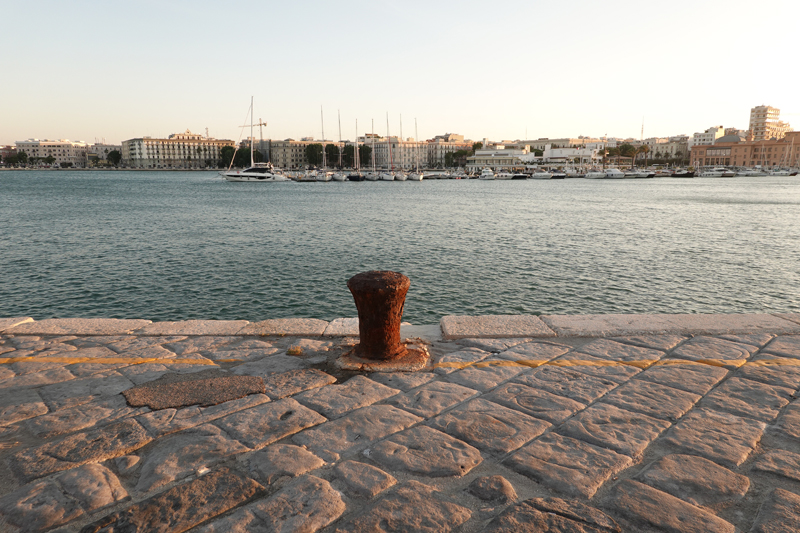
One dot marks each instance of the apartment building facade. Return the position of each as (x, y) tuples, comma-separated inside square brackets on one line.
[(765, 123), (179, 150), (65, 152)]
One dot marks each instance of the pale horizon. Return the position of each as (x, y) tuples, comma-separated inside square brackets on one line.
[(90, 71)]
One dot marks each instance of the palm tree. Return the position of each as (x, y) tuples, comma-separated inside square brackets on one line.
[(614, 152), (643, 149)]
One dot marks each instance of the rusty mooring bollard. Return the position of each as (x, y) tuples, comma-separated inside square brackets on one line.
[(380, 296)]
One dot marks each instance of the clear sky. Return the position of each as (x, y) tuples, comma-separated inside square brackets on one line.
[(86, 70)]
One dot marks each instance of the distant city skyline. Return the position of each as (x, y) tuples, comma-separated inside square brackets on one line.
[(90, 70)]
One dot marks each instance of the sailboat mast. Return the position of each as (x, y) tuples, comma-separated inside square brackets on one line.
[(357, 162), (322, 122), (373, 145), (416, 138), (252, 164), (339, 114), (389, 140)]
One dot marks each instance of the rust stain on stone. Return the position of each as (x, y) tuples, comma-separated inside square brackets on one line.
[(209, 387)]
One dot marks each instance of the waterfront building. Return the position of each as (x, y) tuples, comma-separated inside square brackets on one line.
[(707, 137), (737, 151), (6, 151), (100, 151), (65, 152), (441, 145), (765, 123), (498, 159), (179, 150), (291, 155)]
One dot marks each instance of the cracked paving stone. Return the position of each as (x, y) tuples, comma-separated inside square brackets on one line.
[(487, 374), (199, 344), (653, 399), (405, 381), (615, 351), (242, 355), (537, 403), (748, 398), (432, 398), (689, 376), (785, 346), (269, 422), (306, 505), (21, 405), (695, 480), (355, 430), (365, 480), (492, 488), (107, 442), (566, 382), (38, 507), (780, 513), (600, 367), (410, 507), (772, 370), (289, 383), (489, 427), (83, 416), (182, 507), (204, 388), (780, 462), (164, 421), (656, 342), (759, 340), (724, 353), (788, 425), (611, 427), (567, 465), (93, 486), (334, 401), (453, 361), (37, 379), (270, 365), (492, 345), (724, 438), (281, 460), (645, 506), (426, 451), (81, 391), (534, 352), (552, 515), (180, 455)]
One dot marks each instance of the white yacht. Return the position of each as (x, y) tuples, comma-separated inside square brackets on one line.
[(415, 176), (541, 175), (256, 171), (717, 172), (503, 175), (400, 176), (595, 174), (614, 173), (323, 175), (486, 174), (339, 176), (386, 176), (638, 173)]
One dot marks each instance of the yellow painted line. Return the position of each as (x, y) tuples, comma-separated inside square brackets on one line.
[(104, 360)]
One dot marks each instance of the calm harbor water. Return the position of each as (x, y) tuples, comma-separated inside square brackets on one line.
[(188, 245)]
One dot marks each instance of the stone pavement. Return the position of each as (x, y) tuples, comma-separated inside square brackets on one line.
[(596, 423)]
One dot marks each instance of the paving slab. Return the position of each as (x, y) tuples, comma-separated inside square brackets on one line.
[(661, 324), (21, 405), (78, 326), (165, 421), (454, 361), (83, 416), (567, 465), (182, 507), (759, 340), (240, 355), (283, 384), (492, 488), (424, 451), (785, 346), (286, 326), (208, 387), (486, 375), (93, 486), (270, 365), (748, 398), (656, 342), (772, 370), (405, 381), (566, 382), (780, 513), (178, 456), (432, 398), (8, 323), (494, 326), (193, 327), (354, 431), (645, 506), (306, 505), (608, 426), (269, 422), (489, 427), (715, 351), (200, 344), (781, 462), (281, 460), (690, 376), (602, 367), (38, 506), (652, 399), (342, 327), (610, 350), (535, 402), (114, 440), (364, 480), (37, 379), (492, 345), (724, 438), (552, 515), (788, 424), (793, 317), (82, 391), (410, 507), (695, 480), (334, 401), (532, 353)]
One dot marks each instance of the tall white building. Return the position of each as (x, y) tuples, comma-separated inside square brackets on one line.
[(707, 137), (65, 152), (765, 123), (180, 150)]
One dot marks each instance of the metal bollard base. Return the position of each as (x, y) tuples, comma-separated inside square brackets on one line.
[(415, 359)]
